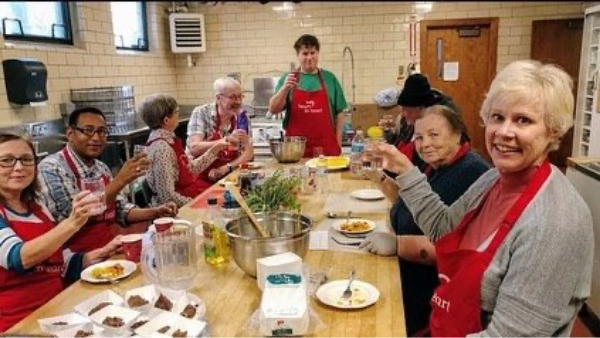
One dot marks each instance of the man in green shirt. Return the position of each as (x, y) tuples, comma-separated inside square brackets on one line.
[(313, 100)]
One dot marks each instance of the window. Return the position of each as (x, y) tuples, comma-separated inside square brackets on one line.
[(36, 21), (129, 25)]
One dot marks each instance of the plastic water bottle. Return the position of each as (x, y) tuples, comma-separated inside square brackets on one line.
[(358, 146), (242, 122)]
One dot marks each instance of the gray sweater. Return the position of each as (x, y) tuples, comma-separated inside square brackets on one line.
[(541, 273)]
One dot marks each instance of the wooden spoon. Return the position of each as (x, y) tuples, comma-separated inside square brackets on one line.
[(235, 192)]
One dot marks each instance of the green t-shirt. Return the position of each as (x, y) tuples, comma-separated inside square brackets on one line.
[(310, 82)]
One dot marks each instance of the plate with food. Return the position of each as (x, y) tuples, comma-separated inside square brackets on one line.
[(331, 162), (354, 226), (363, 294), (368, 194), (108, 271), (61, 323), (255, 165)]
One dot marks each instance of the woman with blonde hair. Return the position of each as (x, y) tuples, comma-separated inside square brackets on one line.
[(515, 252)]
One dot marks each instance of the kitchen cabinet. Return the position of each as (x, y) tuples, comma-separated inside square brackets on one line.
[(587, 122), (584, 174)]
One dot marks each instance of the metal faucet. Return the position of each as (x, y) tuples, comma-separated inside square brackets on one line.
[(347, 48)]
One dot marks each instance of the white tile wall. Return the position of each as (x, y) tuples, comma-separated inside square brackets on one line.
[(256, 40)]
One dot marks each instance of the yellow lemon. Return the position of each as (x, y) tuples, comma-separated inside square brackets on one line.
[(375, 131)]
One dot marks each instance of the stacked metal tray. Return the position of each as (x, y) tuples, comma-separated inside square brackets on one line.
[(117, 103)]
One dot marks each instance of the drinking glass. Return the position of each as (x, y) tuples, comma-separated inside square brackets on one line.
[(98, 192), (318, 152), (138, 148)]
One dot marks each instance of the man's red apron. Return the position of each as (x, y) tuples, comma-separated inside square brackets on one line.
[(225, 156), (21, 294), (310, 117), (187, 183), (456, 303), (97, 232)]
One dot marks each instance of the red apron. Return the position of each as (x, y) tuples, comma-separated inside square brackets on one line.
[(225, 156), (187, 183), (407, 148), (21, 294), (97, 232), (456, 303), (310, 117)]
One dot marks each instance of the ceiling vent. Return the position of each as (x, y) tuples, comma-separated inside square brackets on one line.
[(187, 33)]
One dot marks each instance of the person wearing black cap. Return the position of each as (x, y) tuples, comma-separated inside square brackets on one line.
[(416, 95)]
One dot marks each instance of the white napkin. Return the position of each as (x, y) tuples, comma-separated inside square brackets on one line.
[(319, 240)]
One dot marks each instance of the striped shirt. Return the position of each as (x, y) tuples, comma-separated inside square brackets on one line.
[(58, 183), (11, 244)]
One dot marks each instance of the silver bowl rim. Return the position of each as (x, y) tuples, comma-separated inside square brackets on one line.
[(270, 239), (288, 139)]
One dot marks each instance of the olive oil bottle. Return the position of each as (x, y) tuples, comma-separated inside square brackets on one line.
[(216, 246)]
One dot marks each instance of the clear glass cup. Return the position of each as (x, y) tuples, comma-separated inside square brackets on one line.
[(98, 192), (138, 149), (310, 180)]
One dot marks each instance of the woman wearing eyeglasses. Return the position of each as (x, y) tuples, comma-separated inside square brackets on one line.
[(222, 120), (33, 263)]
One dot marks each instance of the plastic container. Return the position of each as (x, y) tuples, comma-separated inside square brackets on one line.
[(358, 146), (216, 246)]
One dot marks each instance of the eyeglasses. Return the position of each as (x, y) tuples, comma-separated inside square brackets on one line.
[(9, 162), (90, 131), (234, 97)]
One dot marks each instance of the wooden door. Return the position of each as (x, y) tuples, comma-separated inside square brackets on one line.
[(559, 42), (472, 43)]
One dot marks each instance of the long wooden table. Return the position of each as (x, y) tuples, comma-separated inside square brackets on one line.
[(231, 296)]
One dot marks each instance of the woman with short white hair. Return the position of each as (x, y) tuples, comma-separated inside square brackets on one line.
[(221, 120), (515, 252)]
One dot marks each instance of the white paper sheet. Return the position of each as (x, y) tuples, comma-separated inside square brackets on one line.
[(450, 71), (319, 240)]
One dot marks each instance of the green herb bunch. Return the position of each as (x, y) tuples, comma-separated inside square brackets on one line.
[(277, 192)]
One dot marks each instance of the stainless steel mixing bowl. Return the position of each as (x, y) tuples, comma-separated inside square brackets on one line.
[(289, 233), (290, 150)]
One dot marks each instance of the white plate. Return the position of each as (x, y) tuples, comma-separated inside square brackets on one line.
[(343, 163), (49, 325), (368, 194), (175, 322), (331, 294), (255, 165), (337, 225), (128, 269), (127, 315), (108, 296), (87, 327)]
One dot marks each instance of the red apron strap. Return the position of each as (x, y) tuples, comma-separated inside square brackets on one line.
[(310, 116), (456, 303)]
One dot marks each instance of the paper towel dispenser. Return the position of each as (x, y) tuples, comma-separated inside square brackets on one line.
[(25, 80)]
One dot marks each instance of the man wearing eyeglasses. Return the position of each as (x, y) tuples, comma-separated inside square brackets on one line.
[(62, 176), (221, 121)]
